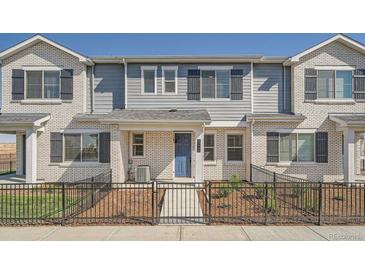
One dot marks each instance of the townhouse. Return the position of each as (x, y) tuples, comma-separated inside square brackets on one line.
[(190, 118)]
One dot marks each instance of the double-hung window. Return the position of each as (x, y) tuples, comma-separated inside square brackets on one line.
[(149, 80), (334, 84), (169, 78), (81, 147), (209, 147), (234, 149), (215, 84), (297, 147), (137, 144), (43, 84)]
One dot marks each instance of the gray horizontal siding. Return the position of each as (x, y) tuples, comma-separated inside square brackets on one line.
[(108, 87), (219, 110), (268, 88)]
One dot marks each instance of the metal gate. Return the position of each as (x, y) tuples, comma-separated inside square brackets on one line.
[(182, 203)]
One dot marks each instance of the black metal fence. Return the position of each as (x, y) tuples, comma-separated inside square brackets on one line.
[(98, 201), (7, 163)]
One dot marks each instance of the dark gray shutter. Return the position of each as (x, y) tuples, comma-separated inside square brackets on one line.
[(56, 147), (359, 84), (17, 92), (104, 149), (67, 86), (193, 84), (322, 147), (272, 147), (310, 84), (236, 84)]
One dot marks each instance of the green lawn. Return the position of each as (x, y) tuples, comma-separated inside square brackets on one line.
[(33, 206)]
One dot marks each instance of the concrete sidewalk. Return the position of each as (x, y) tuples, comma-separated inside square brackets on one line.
[(183, 233)]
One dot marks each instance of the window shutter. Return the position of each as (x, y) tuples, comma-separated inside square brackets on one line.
[(104, 147), (67, 84), (272, 147), (193, 84), (322, 147), (56, 147), (17, 92), (310, 84), (359, 84), (236, 84)]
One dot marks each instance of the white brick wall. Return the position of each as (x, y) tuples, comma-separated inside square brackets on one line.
[(43, 54), (220, 169)]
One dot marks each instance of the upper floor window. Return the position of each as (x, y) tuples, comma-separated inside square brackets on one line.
[(215, 84), (149, 80), (169, 80), (334, 84), (81, 147), (42, 84)]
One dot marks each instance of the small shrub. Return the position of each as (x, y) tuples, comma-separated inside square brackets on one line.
[(235, 181), (338, 198), (222, 193), (299, 189), (260, 190), (272, 206)]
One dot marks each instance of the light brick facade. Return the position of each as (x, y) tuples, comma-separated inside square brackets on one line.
[(43, 54), (159, 144)]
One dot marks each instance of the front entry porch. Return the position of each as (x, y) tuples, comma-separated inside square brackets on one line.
[(26, 126), (353, 130)]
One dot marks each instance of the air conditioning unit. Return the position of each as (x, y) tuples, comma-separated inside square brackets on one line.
[(143, 174)]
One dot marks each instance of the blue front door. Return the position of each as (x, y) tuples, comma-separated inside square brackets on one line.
[(182, 154)]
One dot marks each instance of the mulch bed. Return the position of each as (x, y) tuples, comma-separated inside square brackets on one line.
[(124, 206)]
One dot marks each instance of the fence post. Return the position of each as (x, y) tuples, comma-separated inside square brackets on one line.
[(63, 204), (153, 203), (320, 203), (274, 177), (209, 203), (266, 200), (251, 173), (92, 191)]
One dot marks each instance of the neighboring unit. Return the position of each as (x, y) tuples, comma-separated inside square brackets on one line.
[(188, 118)]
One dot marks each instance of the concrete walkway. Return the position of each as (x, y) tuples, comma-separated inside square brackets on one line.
[(184, 233), (181, 206)]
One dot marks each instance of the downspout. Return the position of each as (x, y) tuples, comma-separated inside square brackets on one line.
[(251, 148), (92, 88), (125, 83), (252, 87), (284, 89)]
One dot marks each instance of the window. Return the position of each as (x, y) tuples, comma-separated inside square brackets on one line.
[(149, 81), (169, 80), (234, 147), (42, 84), (81, 147), (215, 84), (297, 147), (209, 147), (334, 84), (137, 144)]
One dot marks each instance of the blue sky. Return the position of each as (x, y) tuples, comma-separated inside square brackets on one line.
[(169, 44), (179, 44)]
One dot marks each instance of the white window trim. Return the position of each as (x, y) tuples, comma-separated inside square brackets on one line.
[(288, 163), (334, 68), (226, 147), (215, 69), (143, 68), (131, 145), (214, 161), (81, 144), (26, 99), (173, 68)]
